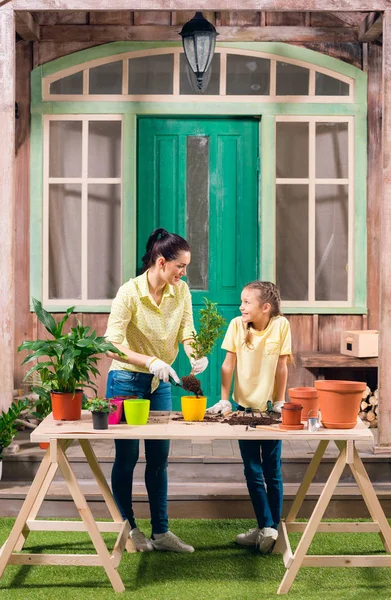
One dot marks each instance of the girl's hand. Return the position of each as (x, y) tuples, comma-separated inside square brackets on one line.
[(221, 407), (199, 365), (161, 369)]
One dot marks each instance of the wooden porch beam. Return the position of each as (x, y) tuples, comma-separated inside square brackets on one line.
[(217, 5), (370, 28), (26, 27), (7, 204), (385, 254), (113, 33)]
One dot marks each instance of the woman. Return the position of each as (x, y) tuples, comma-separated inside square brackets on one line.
[(150, 315)]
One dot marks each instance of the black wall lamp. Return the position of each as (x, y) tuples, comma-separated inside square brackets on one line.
[(199, 41)]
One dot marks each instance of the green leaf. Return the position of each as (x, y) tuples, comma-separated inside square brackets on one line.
[(45, 317)]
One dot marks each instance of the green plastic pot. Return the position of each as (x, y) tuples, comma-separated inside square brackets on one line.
[(136, 411)]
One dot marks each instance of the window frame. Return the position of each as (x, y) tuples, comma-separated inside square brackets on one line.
[(264, 110)]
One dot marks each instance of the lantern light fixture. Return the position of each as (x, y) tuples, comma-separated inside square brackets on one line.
[(199, 41)]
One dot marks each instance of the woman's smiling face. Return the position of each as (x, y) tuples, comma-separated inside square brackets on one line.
[(174, 270)]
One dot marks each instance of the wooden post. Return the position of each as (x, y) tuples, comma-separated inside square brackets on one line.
[(385, 255), (7, 204)]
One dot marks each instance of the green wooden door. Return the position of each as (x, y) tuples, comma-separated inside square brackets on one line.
[(198, 178)]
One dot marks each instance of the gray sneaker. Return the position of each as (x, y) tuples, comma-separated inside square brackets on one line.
[(250, 538), (267, 538), (169, 542), (142, 543)]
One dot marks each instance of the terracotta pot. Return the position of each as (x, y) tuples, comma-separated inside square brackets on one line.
[(291, 413), (308, 398), (339, 402), (44, 445), (66, 405)]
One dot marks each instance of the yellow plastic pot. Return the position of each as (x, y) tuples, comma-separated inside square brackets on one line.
[(193, 408), (136, 411)]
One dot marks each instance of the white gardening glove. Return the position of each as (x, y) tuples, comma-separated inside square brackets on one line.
[(278, 405), (162, 370), (198, 365), (221, 407)]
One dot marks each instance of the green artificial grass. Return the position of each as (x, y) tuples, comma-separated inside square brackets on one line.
[(218, 569)]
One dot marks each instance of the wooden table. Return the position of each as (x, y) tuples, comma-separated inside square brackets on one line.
[(60, 434)]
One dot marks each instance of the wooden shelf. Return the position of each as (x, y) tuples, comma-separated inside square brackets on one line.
[(333, 360)]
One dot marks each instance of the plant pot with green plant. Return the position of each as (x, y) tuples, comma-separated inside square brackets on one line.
[(71, 365), (212, 325), (8, 426), (100, 409)]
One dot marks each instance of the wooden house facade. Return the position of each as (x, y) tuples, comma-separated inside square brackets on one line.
[(313, 124)]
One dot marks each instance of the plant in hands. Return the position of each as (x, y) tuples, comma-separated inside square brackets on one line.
[(72, 357), (212, 325), (100, 405)]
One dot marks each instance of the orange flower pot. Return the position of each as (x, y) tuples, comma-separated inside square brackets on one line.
[(308, 398), (339, 402), (291, 413), (67, 405)]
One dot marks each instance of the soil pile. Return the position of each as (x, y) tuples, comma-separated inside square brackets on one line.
[(192, 384)]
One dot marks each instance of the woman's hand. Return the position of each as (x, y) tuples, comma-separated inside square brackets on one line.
[(162, 370), (221, 407), (198, 365)]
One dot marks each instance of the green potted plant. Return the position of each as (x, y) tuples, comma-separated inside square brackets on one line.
[(72, 362), (212, 325), (100, 409), (8, 427)]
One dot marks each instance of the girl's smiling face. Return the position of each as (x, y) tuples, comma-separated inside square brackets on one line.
[(252, 308)]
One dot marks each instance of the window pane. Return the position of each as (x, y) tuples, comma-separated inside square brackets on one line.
[(332, 150), (331, 240), (65, 148), (329, 86), (104, 240), (292, 149), (73, 84), (291, 80), (197, 210), (106, 79), (64, 241), (248, 75), (151, 74), (104, 149), (292, 241), (188, 81)]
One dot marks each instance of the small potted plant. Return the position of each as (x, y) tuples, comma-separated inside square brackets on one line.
[(212, 325), (8, 427), (100, 409), (71, 362)]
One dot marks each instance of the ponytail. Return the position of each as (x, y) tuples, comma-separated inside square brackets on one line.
[(162, 243)]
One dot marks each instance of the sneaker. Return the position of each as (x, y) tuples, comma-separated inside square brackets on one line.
[(142, 543), (267, 538), (170, 543), (250, 538)]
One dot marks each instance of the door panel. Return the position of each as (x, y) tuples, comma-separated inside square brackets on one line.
[(198, 178)]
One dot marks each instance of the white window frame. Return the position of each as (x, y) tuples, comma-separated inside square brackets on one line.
[(312, 181), (84, 181), (176, 96)]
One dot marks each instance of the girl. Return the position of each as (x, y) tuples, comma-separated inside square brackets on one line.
[(258, 345), (150, 315)]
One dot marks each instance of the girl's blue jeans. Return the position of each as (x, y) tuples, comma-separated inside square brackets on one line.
[(264, 479), (127, 383)]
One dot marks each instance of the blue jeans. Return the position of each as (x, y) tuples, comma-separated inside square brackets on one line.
[(127, 383), (264, 479)]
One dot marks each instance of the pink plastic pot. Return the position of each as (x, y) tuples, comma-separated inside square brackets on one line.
[(115, 417)]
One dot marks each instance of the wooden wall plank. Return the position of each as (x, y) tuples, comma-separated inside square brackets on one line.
[(7, 204), (330, 327), (285, 18), (46, 51), (98, 322), (152, 17), (26, 27), (385, 245), (348, 52), (374, 181), (371, 27), (302, 334), (183, 16), (23, 323), (238, 18), (61, 17), (111, 17)]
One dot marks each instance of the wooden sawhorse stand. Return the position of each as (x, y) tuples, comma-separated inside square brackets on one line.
[(293, 561), (26, 521)]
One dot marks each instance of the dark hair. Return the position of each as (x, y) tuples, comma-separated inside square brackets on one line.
[(267, 292), (162, 243)]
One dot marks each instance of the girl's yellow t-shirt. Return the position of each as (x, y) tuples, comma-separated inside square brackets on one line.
[(255, 369)]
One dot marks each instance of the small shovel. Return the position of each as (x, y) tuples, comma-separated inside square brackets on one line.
[(173, 382)]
